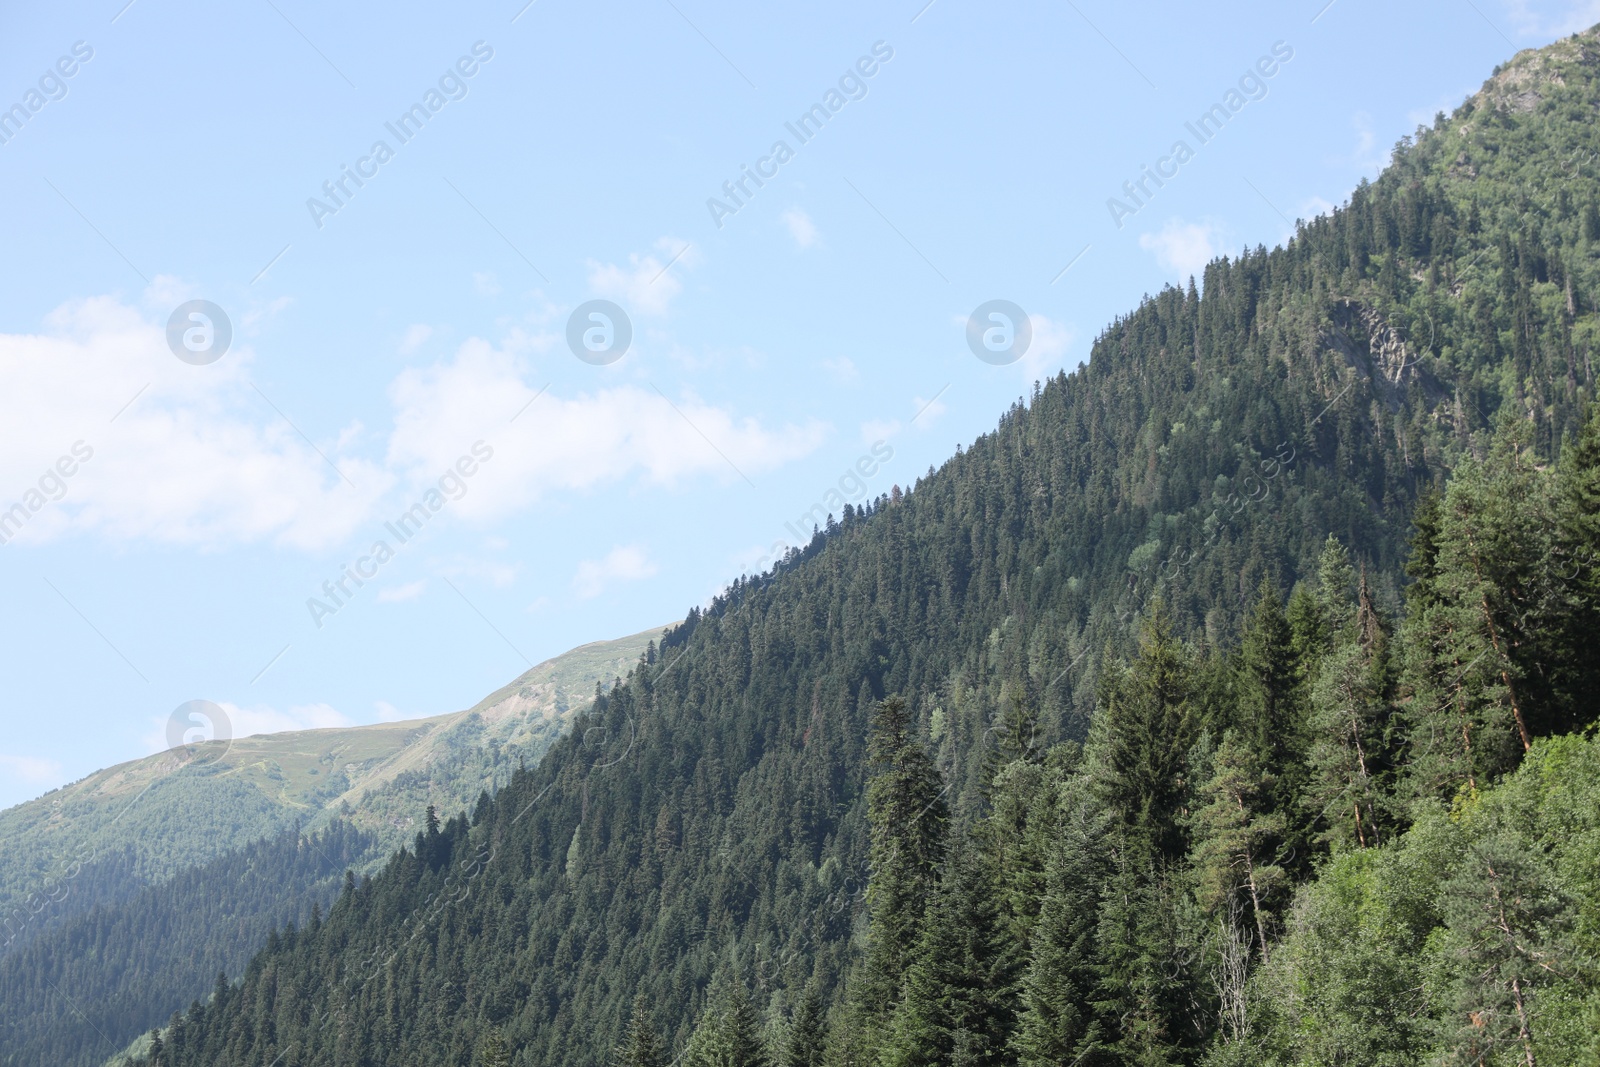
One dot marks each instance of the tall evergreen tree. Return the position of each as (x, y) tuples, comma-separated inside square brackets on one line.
[(1576, 566), (807, 1037), (1148, 961), (906, 808), (960, 987), (493, 1050), (1505, 916), (1143, 734), (1484, 631), (641, 1046), (1269, 697), (1058, 1023), (1349, 710), (1236, 838), (728, 1033)]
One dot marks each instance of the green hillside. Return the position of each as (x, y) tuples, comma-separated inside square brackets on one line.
[(103, 838), (1181, 667)]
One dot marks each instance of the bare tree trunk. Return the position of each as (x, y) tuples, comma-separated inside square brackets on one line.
[(1255, 896), (1230, 976), (1522, 1024)]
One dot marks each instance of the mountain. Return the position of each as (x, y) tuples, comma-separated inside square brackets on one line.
[(104, 837), (136, 885), (827, 813)]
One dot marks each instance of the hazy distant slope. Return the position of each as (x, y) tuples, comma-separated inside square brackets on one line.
[(76, 993), (102, 838)]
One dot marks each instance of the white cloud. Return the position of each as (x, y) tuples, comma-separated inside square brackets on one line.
[(31, 769), (1546, 20), (247, 722), (925, 413), (387, 712), (485, 283), (1446, 102), (199, 456), (180, 454), (1313, 206), (1183, 248), (879, 430), (396, 594), (648, 284), (801, 228), (1047, 351), (500, 575), (1367, 155), (627, 563), (568, 443), (843, 369), (415, 337)]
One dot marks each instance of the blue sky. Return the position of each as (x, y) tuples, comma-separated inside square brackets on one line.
[(390, 336)]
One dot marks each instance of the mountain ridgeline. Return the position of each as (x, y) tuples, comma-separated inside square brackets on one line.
[(127, 892), (1041, 761), (112, 834)]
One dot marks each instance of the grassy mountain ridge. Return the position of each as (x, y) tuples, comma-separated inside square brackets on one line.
[(1212, 443), (105, 836)]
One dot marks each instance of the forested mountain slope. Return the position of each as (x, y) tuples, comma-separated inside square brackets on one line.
[(702, 837)]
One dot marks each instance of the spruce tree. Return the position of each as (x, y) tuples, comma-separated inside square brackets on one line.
[(807, 1031), (1482, 640), (728, 1034), (960, 987), (641, 1046), (492, 1050), (1147, 963), (1270, 713), (1143, 735), (906, 809), (1348, 726), (1057, 1023), (1576, 567)]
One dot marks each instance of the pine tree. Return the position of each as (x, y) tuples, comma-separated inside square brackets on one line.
[(1236, 838), (492, 1050), (1147, 952), (1506, 917), (728, 1034), (1349, 709), (1335, 582), (1309, 635), (1483, 636), (1270, 713), (1576, 567), (1267, 683)]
